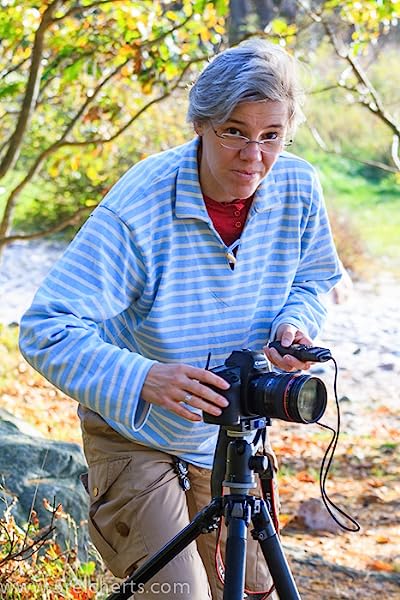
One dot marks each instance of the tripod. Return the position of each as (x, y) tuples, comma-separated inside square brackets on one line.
[(238, 508)]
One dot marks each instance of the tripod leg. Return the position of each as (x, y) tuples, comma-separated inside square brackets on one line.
[(235, 559), (202, 523), (264, 531), (237, 516)]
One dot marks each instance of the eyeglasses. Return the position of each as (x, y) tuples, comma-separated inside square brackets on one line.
[(239, 142)]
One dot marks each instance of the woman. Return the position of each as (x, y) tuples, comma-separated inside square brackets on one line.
[(217, 245)]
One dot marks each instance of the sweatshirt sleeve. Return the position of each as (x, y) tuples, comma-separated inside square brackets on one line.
[(100, 275), (318, 270)]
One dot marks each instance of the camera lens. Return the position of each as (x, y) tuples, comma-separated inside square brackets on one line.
[(295, 398)]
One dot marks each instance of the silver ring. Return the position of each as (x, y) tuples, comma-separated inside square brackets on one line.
[(187, 398)]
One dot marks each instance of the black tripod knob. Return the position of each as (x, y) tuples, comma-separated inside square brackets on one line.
[(258, 464)]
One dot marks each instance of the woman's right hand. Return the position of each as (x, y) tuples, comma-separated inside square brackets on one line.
[(173, 385)]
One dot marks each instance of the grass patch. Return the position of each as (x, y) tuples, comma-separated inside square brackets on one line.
[(366, 203)]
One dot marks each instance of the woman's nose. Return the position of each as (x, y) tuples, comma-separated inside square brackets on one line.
[(251, 151)]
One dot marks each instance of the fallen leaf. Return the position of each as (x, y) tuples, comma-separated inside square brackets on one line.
[(382, 539), (380, 565), (304, 476), (284, 519), (375, 483)]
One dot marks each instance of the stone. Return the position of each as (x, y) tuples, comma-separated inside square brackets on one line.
[(387, 366), (34, 469), (314, 515)]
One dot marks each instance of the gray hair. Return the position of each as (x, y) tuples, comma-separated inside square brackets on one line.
[(254, 70)]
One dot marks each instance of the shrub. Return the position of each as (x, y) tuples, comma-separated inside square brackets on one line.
[(34, 567)]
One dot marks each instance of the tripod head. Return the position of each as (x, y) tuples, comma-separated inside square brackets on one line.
[(235, 463)]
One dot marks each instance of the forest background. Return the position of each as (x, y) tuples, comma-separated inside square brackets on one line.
[(88, 88)]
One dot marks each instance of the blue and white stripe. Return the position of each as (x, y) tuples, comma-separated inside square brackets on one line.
[(147, 279)]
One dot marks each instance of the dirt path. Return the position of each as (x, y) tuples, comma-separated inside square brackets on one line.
[(365, 483), (363, 335)]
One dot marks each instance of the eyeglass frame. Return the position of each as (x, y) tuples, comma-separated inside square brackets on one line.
[(262, 144)]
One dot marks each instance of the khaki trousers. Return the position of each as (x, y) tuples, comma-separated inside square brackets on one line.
[(137, 505)]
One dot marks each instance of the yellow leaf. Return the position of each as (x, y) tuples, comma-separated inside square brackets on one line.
[(147, 87), (125, 50), (173, 16), (205, 35), (284, 519), (92, 173), (126, 70), (75, 161), (188, 8), (382, 539), (53, 171)]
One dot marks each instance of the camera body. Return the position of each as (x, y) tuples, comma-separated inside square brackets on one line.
[(256, 391), (237, 370)]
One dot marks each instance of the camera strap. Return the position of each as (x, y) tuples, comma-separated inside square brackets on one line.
[(260, 433), (268, 485)]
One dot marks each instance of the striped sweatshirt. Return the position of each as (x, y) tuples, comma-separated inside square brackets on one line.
[(147, 278)]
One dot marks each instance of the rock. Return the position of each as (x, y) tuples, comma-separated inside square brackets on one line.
[(315, 516), (372, 498), (34, 469), (344, 399), (387, 366)]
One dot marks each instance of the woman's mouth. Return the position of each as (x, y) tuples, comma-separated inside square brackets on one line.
[(246, 175)]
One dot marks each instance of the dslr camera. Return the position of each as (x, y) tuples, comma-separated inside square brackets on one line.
[(255, 391)]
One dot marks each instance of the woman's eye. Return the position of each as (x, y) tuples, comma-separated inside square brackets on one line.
[(233, 131), (271, 135)]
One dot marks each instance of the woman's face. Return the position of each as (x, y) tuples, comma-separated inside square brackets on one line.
[(227, 174)]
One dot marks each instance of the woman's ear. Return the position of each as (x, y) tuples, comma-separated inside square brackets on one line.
[(199, 128)]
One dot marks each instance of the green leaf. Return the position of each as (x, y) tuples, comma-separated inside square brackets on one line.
[(11, 89), (87, 569), (72, 71), (222, 7)]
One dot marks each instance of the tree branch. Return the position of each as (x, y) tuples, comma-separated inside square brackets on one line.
[(79, 9), (89, 101), (61, 142), (376, 106), (71, 220), (10, 157), (58, 62), (10, 202), (395, 151), (98, 141), (270, 35), (5, 222), (370, 163), (26, 549), (144, 44), (14, 68), (322, 90), (32, 88)]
